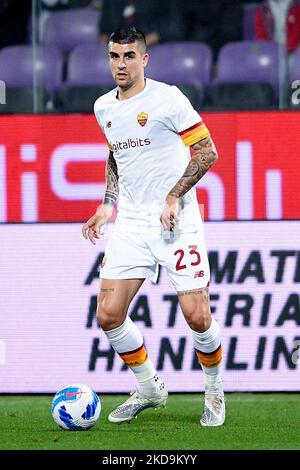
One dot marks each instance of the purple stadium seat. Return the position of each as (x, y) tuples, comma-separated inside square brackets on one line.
[(185, 63), (248, 62), (88, 65), (17, 65), (88, 77), (70, 28)]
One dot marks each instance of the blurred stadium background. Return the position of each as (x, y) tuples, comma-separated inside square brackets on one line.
[(239, 64)]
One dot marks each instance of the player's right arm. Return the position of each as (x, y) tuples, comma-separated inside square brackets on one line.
[(92, 228)]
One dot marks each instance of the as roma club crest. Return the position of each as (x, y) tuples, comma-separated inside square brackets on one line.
[(142, 119)]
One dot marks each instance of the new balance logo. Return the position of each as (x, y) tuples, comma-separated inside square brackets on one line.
[(199, 274)]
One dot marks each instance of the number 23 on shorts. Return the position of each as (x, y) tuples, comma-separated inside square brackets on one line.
[(192, 257)]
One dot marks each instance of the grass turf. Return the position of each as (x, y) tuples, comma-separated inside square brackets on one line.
[(254, 421)]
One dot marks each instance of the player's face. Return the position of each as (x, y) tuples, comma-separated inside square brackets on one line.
[(127, 63)]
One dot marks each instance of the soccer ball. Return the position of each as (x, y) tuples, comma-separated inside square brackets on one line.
[(76, 407)]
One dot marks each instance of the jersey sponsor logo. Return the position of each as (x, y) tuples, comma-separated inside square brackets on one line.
[(129, 143), (142, 119)]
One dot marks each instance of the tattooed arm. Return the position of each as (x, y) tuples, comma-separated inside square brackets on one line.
[(92, 228), (112, 181), (205, 155)]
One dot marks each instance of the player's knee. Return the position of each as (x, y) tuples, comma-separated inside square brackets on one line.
[(199, 320), (108, 315)]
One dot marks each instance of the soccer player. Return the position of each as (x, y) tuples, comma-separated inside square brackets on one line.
[(150, 127)]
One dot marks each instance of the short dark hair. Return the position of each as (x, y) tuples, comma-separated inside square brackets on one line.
[(128, 35)]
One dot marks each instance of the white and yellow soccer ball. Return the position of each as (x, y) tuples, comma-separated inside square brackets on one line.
[(76, 407)]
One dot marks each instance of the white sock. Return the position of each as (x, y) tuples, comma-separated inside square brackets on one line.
[(128, 342), (151, 386), (209, 352)]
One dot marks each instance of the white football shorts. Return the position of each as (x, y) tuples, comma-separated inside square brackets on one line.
[(183, 254)]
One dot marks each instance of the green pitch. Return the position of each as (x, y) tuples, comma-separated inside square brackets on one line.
[(254, 421)]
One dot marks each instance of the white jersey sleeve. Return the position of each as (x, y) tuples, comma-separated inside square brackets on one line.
[(184, 119), (99, 114)]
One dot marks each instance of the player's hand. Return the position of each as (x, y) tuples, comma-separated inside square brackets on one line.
[(92, 229), (169, 216)]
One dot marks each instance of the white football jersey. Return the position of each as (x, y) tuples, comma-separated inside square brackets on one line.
[(150, 135)]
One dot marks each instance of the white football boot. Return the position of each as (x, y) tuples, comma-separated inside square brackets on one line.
[(138, 402), (214, 406)]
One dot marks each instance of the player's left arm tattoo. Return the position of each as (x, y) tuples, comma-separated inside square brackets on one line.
[(205, 155), (112, 181)]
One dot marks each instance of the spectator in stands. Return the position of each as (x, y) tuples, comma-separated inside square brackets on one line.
[(215, 22), (160, 20), (279, 20), (14, 17)]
